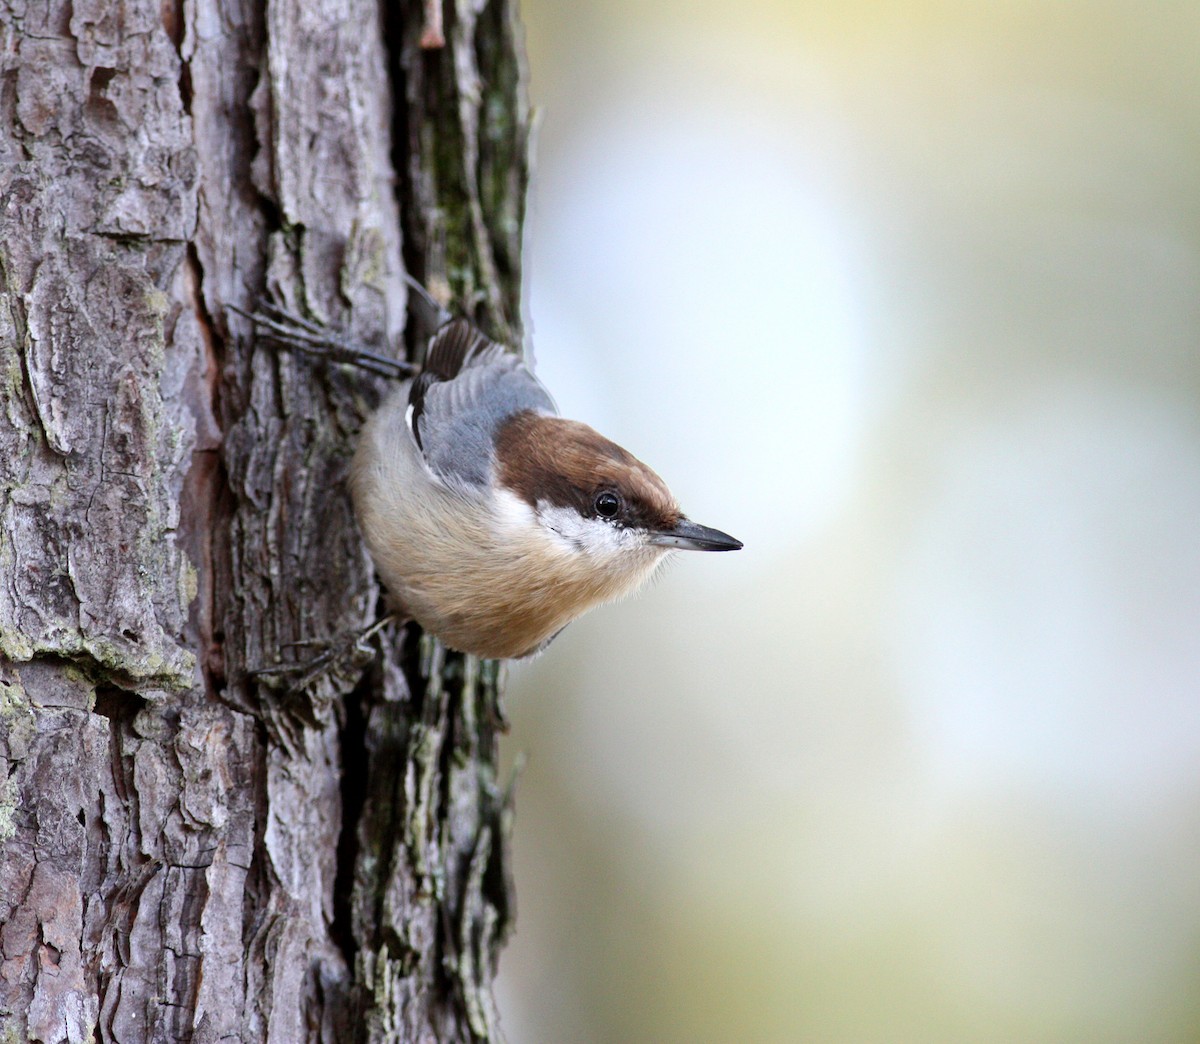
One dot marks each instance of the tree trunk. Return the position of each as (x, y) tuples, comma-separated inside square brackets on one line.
[(186, 853)]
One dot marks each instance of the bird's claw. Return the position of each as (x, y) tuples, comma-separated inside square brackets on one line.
[(310, 338), (352, 648)]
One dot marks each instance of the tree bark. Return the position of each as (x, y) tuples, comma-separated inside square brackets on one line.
[(187, 853)]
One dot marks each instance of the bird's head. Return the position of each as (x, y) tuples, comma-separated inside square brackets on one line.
[(601, 506)]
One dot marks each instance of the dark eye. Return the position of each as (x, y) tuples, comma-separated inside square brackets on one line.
[(607, 504)]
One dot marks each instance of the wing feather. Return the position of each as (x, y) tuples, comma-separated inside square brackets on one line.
[(469, 386)]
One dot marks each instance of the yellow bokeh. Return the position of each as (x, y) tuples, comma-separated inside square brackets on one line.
[(907, 298)]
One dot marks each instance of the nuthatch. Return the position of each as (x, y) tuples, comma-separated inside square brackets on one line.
[(493, 521)]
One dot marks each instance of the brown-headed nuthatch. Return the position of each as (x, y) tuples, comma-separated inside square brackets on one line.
[(493, 521)]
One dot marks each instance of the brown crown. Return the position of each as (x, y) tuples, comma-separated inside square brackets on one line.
[(565, 463)]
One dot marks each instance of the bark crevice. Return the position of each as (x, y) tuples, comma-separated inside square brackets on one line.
[(186, 853)]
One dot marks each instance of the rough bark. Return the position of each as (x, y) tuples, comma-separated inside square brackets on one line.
[(186, 853)]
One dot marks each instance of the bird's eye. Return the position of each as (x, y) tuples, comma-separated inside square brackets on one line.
[(607, 504)]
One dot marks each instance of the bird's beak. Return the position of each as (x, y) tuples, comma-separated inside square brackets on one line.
[(689, 536)]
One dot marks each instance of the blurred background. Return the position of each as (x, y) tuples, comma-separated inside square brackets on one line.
[(907, 297)]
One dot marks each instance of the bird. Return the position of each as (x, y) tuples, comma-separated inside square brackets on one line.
[(493, 521)]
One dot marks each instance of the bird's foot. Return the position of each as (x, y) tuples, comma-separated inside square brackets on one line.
[(351, 649), (310, 338)]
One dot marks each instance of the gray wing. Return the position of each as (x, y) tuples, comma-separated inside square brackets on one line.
[(468, 388)]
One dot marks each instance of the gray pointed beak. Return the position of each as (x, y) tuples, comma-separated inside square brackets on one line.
[(688, 536)]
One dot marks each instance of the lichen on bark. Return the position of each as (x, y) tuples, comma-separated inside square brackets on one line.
[(184, 852)]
